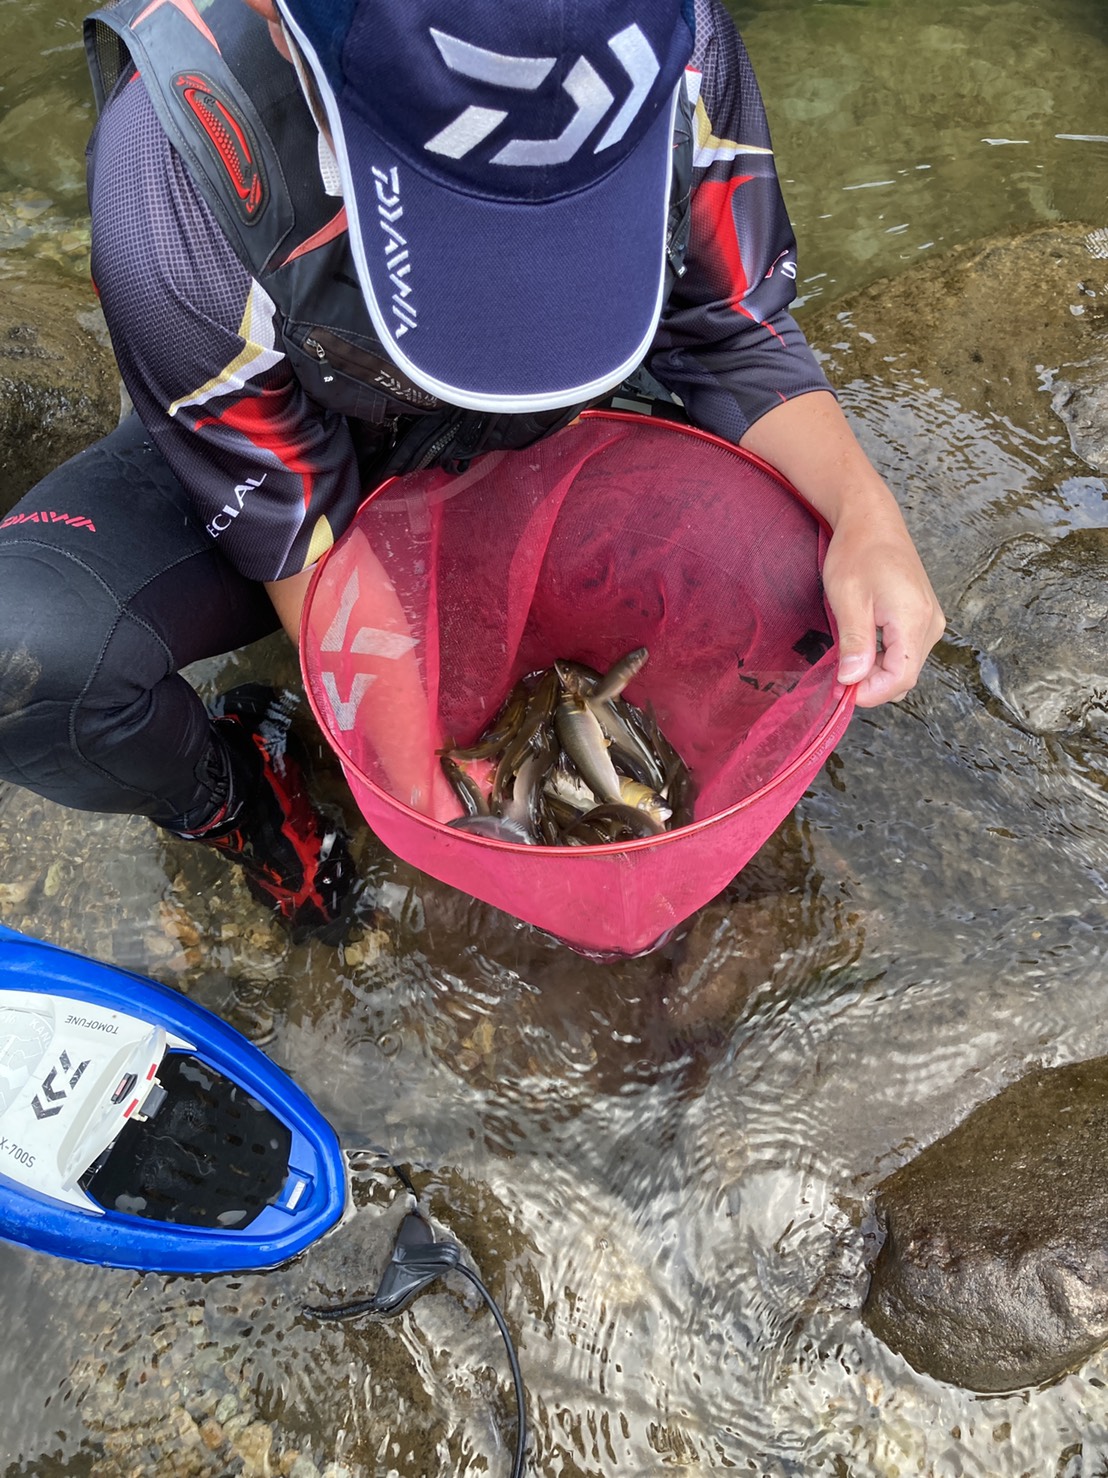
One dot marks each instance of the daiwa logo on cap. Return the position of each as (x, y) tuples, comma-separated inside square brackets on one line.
[(506, 170), (389, 211), (584, 84)]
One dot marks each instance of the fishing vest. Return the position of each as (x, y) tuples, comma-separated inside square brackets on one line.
[(232, 108)]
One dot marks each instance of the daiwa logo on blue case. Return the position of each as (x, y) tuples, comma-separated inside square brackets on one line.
[(48, 1100)]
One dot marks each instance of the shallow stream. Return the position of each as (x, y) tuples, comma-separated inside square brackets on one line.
[(660, 1168)]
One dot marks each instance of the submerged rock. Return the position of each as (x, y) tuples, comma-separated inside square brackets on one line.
[(59, 387), (1081, 400), (1013, 328), (993, 1274), (987, 434), (1040, 621)]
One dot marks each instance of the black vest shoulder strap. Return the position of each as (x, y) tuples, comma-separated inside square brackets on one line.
[(231, 107)]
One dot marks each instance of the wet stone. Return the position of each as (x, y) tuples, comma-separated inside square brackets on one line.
[(228, 1406), (1049, 362), (59, 388), (993, 1274), (211, 1434), (1030, 606), (254, 1445), (1040, 623), (1080, 400)]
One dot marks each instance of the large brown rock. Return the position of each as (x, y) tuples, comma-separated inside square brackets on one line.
[(993, 1274), (1014, 328), (1039, 614), (979, 381), (59, 388)]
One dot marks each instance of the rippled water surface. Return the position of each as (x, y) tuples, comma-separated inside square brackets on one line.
[(660, 1168)]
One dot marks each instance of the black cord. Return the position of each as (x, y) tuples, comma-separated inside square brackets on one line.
[(343, 1311), (517, 1375), (417, 1261), (405, 1180)]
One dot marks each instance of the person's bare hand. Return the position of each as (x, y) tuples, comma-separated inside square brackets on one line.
[(886, 611)]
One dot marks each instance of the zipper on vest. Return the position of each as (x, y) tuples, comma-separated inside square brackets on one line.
[(313, 346), (436, 449)]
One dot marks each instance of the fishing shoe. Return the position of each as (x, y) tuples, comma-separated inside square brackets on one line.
[(295, 860)]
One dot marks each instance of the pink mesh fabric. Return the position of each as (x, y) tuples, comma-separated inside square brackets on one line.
[(617, 532)]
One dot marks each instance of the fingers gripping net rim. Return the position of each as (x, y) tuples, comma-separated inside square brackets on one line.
[(615, 533)]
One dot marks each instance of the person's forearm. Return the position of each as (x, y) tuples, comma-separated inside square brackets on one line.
[(887, 615), (288, 596), (810, 441)]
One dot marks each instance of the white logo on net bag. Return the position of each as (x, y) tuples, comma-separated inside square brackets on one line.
[(584, 84)]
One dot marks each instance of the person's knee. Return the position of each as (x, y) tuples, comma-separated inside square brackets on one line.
[(55, 621), (20, 671)]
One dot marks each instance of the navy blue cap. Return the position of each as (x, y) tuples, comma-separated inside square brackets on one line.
[(506, 170)]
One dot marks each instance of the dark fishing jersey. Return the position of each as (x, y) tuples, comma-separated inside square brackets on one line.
[(273, 473)]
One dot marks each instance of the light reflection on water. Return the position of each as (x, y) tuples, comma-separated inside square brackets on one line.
[(903, 129), (661, 1178), (900, 128), (660, 1168)]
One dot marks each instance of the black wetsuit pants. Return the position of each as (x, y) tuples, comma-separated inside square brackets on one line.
[(108, 587)]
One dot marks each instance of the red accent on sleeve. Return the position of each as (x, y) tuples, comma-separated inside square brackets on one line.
[(714, 222), (251, 417)]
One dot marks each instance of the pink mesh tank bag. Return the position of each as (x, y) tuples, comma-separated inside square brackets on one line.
[(615, 533)]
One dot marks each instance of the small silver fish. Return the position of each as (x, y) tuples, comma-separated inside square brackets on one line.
[(522, 805), (589, 686), (464, 786), (567, 786), (495, 828), (615, 823), (583, 740), (576, 677), (642, 798), (529, 735), (612, 684), (501, 731)]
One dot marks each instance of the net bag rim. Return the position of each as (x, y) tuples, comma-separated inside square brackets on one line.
[(830, 729)]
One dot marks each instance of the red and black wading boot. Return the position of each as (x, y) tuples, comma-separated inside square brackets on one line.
[(296, 861)]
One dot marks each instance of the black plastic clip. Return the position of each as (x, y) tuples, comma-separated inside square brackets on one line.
[(417, 1260)]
